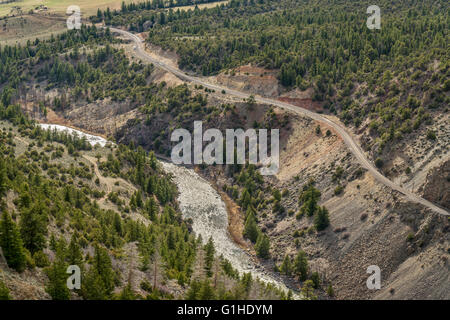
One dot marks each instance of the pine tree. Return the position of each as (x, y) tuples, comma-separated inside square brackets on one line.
[(308, 200), (139, 199), (209, 256), (245, 199), (171, 239), (330, 290), (118, 227), (53, 243), (162, 18), (108, 13), (152, 208), (251, 229), (3, 179), (246, 283), (93, 287), (11, 243), (74, 254), (194, 290), (98, 283), (133, 202), (102, 264), (315, 279), (33, 227), (301, 265), (308, 290), (207, 291), (151, 185), (321, 220), (99, 13), (286, 266), (4, 292), (262, 246), (127, 293), (57, 286)]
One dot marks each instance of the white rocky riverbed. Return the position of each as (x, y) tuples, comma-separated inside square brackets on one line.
[(200, 201), (93, 140)]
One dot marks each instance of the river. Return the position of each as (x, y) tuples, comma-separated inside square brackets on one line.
[(93, 140), (199, 201)]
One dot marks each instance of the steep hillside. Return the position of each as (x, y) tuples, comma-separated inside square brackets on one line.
[(389, 85), (109, 210), (317, 224)]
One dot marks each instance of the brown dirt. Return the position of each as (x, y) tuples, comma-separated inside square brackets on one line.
[(170, 79), (168, 57), (437, 187), (235, 217), (102, 118), (57, 118), (54, 118), (304, 149), (251, 79), (235, 221), (303, 103)]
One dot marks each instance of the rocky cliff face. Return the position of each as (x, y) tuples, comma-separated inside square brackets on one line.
[(369, 224), (437, 186)]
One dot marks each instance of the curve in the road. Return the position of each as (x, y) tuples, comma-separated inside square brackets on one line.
[(140, 52)]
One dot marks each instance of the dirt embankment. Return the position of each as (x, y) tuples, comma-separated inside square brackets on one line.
[(167, 57), (369, 224), (235, 215), (302, 99), (305, 103), (437, 186), (102, 117), (250, 79), (235, 221), (411, 161), (305, 150)]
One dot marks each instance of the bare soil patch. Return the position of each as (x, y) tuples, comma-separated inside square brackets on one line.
[(251, 79), (303, 103)]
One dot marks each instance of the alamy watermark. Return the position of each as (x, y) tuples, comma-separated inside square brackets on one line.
[(374, 280), (374, 21), (74, 21), (235, 153), (74, 281)]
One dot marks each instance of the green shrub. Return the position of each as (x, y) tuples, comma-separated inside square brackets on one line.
[(431, 135), (379, 162), (410, 237), (338, 190), (41, 259), (4, 292)]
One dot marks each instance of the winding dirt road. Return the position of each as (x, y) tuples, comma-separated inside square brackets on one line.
[(139, 51)]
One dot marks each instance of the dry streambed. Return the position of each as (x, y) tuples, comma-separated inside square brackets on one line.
[(93, 140), (200, 201)]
